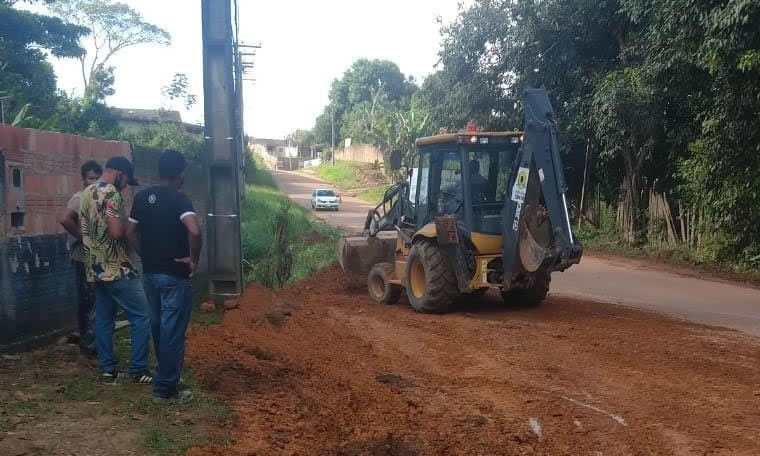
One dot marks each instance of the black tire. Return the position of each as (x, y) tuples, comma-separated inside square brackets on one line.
[(430, 282), (530, 297), (379, 286)]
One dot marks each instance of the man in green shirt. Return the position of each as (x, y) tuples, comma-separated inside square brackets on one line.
[(109, 266), (91, 172)]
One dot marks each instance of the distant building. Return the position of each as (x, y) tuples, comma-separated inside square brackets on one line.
[(139, 119), (274, 147)]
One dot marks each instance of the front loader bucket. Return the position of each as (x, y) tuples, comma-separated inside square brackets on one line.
[(358, 253)]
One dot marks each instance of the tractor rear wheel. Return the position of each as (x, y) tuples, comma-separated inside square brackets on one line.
[(532, 296), (430, 281), (379, 285)]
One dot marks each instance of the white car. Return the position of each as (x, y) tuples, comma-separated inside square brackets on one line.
[(324, 198)]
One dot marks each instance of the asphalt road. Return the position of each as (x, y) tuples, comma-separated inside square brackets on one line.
[(632, 283)]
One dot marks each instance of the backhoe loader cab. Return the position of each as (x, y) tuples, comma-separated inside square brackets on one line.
[(466, 175), (485, 210)]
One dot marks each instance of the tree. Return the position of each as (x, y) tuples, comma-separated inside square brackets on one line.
[(113, 27), (358, 86), (302, 139), (167, 135), (178, 90), (26, 77), (628, 123)]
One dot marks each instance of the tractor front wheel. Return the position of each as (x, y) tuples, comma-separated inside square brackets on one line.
[(430, 281), (379, 285)]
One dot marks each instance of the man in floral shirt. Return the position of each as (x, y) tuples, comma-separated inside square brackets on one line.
[(109, 266)]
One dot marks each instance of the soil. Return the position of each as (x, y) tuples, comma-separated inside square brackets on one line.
[(337, 374), (50, 424)]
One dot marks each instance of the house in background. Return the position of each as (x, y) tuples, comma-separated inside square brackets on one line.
[(278, 148), (139, 119)]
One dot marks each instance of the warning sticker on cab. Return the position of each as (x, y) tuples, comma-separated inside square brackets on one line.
[(521, 184)]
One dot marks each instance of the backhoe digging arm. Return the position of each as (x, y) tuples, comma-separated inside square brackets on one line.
[(539, 158)]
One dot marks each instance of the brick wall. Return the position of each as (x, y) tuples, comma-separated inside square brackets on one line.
[(39, 171)]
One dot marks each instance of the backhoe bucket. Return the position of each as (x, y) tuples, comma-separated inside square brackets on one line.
[(358, 253)]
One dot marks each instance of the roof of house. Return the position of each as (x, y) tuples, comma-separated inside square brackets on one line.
[(147, 115), (270, 142)]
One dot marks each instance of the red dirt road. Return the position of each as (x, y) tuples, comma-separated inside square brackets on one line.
[(319, 369)]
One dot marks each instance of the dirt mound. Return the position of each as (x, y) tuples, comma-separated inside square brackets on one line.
[(336, 374)]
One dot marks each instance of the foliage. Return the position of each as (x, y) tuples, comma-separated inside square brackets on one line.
[(256, 172), (167, 135), (26, 77), (303, 139), (81, 116), (661, 95), (178, 90), (361, 87), (311, 242), (113, 27)]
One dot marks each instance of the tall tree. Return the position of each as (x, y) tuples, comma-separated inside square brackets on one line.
[(358, 86), (179, 90), (114, 27), (26, 77)]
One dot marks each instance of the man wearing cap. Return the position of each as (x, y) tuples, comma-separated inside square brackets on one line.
[(109, 266)]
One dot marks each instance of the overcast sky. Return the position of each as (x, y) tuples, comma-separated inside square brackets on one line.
[(305, 45)]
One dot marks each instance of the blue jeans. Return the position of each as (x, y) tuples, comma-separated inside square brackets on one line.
[(170, 302), (129, 295)]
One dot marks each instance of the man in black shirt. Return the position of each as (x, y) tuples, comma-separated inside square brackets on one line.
[(169, 241)]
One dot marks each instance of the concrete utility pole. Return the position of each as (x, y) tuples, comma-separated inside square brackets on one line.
[(222, 152), (332, 126)]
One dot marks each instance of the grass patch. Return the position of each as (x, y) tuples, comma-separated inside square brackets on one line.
[(203, 319), (344, 174), (38, 404), (373, 195), (49, 387), (348, 175), (257, 172), (309, 244)]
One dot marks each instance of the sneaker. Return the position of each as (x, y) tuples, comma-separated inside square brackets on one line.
[(143, 378), (180, 397), (110, 377)]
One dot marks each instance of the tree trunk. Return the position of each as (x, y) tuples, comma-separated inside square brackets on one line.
[(583, 186)]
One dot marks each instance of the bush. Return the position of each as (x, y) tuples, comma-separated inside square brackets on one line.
[(281, 241), (256, 172)]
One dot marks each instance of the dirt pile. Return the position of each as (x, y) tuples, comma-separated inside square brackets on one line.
[(319, 369)]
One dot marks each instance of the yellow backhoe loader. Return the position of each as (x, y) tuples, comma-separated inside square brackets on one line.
[(478, 211)]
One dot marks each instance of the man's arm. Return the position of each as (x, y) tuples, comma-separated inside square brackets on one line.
[(117, 226), (133, 235), (195, 239), (116, 219), (70, 222)]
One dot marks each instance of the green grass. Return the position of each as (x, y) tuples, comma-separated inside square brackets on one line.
[(311, 242), (165, 430), (344, 175), (257, 173), (373, 195)]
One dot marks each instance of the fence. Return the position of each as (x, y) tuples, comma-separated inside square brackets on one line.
[(38, 173), (364, 153)]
